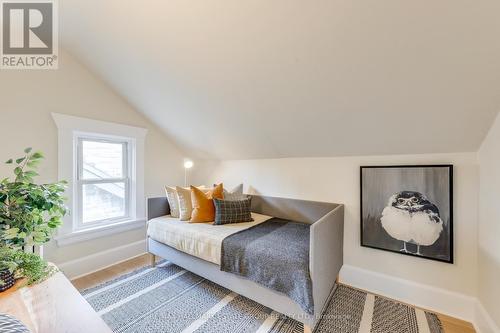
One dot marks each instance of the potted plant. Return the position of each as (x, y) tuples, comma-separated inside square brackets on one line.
[(29, 214), (16, 264), (7, 268)]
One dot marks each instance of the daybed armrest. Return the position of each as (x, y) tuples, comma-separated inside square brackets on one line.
[(157, 207), (326, 255)]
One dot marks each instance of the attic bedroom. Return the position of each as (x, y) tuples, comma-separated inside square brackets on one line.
[(249, 166)]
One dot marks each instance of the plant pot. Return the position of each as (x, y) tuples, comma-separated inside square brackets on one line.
[(8, 278)]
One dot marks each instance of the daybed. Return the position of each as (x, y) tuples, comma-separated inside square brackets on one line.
[(325, 256)]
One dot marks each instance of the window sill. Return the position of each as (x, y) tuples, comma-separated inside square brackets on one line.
[(100, 231)]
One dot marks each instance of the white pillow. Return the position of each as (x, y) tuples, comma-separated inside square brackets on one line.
[(173, 201), (235, 195), (185, 205)]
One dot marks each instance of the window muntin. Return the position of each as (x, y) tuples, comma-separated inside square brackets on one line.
[(103, 180)]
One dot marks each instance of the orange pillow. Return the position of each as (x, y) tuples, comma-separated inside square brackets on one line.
[(203, 204)]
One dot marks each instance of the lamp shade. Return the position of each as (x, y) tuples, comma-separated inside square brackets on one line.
[(188, 164)]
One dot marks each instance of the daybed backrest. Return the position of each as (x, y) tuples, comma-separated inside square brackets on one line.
[(157, 207), (291, 209)]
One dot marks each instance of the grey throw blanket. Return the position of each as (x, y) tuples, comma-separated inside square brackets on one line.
[(274, 254)]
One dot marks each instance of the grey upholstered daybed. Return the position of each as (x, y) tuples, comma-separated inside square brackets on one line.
[(325, 254)]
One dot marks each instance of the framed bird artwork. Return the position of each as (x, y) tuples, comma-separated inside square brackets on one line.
[(408, 209)]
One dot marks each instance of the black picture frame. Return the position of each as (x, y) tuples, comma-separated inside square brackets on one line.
[(446, 257)]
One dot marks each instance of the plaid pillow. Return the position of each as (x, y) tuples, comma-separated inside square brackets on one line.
[(227, 211)]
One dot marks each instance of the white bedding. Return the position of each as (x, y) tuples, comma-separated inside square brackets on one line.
[(202, 240)]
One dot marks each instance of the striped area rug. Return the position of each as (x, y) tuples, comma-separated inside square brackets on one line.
[(170, 299)]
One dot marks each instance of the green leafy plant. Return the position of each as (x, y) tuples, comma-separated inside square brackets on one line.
[(7, 262), (29, 212), (27, 265)]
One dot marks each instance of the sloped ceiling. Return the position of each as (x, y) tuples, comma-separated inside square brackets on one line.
[(240, 79)]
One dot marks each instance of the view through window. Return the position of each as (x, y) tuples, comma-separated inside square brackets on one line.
[(103, 171)]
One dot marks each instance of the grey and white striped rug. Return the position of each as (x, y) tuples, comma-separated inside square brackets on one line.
[(170, 299)]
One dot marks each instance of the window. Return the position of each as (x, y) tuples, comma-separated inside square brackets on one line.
[(103, 181), (104, 165)]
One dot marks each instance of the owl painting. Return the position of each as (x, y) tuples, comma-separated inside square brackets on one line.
[(408, 210), (411, 218)]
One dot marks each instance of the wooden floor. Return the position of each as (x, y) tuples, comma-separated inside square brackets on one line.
[(450, 325)]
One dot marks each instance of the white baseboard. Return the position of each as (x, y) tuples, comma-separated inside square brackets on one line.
[(94, 262), (443, 301), (483, 323)]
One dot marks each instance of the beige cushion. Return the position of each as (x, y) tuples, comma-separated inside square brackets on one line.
[(185, 203), (173, 201)]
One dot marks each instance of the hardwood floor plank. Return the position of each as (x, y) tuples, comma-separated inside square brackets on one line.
[(454, 325), (112, 272)]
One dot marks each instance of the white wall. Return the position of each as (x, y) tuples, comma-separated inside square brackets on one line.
[(489, 223), (337, 180), (27, 99)]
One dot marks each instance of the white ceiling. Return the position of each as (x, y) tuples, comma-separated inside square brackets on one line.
[(286, 78)]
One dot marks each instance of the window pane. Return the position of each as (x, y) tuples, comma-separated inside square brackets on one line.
[(103, 201), (102, 160)]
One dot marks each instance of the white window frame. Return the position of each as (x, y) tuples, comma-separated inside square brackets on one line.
[(127, 146), (70, 132)]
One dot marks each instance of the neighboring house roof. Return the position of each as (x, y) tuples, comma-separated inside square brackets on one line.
[(91, 172)]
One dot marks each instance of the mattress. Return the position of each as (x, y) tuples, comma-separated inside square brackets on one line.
[(202, 240)]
